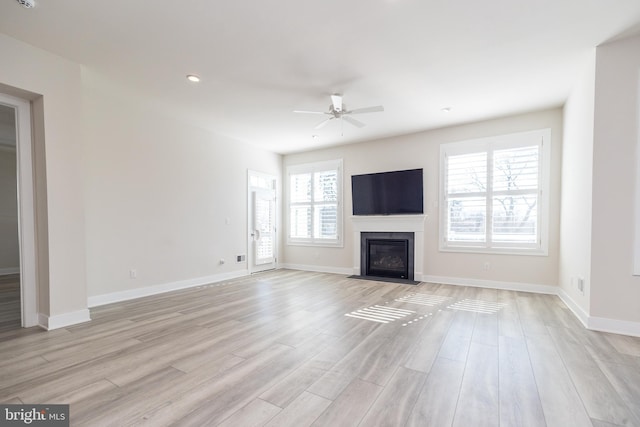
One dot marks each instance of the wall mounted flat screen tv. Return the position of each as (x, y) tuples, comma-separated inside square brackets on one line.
[(387, 193)]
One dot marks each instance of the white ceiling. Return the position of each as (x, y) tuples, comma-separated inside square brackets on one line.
[(260, 60)]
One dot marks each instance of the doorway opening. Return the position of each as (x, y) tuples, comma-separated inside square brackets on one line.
[(17, 217), (10, 312), (262, 222)]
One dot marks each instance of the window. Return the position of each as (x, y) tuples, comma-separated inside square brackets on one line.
[(315, 204), (494, 194)]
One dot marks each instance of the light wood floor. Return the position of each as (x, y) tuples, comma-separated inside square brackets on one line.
[(276, 349), (9, 302)]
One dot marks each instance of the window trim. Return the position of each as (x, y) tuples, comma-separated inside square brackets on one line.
[(313, 168), (490, 144)]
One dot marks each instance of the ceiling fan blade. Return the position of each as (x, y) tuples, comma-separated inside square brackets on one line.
[(336, 100), (353, 121), (309, 112), (367, 110), (324, 122)]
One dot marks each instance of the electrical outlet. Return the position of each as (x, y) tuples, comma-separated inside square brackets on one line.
[(580, 285), (133, 273), (486, 266), (222, 261), (240, 258)]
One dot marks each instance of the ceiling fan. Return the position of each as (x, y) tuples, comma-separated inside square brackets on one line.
[(337, 110)]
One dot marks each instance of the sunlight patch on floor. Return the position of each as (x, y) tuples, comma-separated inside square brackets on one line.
[(478, 306), (380, 314), (423, 299)]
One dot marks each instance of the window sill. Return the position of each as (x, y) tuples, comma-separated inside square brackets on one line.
[(496, 251), (316, 244)]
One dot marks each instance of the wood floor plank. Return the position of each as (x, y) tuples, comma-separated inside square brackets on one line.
[(509, 322), (379, 366), (485, 330), (456, 344), (338, 377), (132, 401), (596, 392), (624, 344), (115, 406), (242, 384), (600, 423), (394, 404), (560, 401), (83, 393), (600, 348), (519, 400), (87, 351), (436, 403), (255, 414), (332, 383), (302, 412), (350, 406), (478, 404), (424, 353), (625, 380), (529, 310), (284, 392), (10, 313), (215, 400)]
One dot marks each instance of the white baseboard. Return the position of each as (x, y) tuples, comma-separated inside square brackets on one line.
[(578, 311), (492, 284), (5, 271), (62, 320), (318, 268), (601, 324), (129, 294), (615, 326)]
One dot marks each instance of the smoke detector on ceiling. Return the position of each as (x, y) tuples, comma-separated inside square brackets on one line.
[(27, 3)]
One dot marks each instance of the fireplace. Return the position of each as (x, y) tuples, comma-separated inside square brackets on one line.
[(387, 255), (400, 227)]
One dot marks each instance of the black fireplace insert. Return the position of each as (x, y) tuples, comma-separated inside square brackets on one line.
[(387, 255)]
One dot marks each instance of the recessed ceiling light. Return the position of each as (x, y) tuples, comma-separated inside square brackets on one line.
[(446, 110), (27, 3), (193, 78)]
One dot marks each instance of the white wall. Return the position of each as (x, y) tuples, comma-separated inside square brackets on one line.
[(577, 184), (121, 186), (615, 293), (159, 194), (54, 85), (421, 150)]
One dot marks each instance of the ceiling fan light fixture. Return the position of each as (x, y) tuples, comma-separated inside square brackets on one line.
[(338, 110)]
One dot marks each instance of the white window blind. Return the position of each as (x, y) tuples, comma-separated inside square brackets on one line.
[(494, 192), (314, 198)]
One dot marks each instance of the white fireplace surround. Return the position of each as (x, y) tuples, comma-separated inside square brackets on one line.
[(391, 224)]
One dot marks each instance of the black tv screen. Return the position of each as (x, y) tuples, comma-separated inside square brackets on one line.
[(387, 193)]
